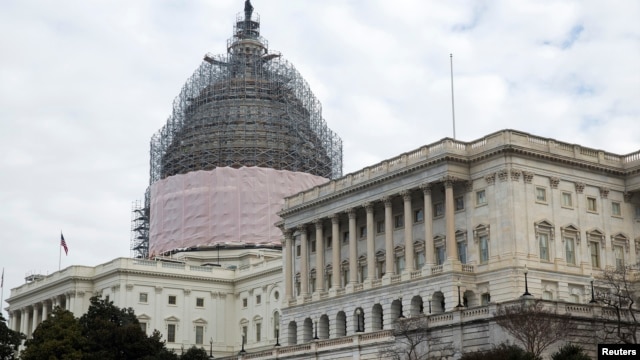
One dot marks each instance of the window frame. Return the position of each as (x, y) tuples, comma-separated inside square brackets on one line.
[(172, 300), (380, 226), (146, 298), (199, 341), (616, 205), (438, 210), (418, 216), (200, 300), (171, 333), (481, 197), (592, 204), (398, 221), (541, 195)]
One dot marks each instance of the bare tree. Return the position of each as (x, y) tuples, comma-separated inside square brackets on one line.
[(414, 341), (535, 327), (618, 290)]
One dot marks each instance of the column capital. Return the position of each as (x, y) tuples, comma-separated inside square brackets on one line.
[(288, 234), (335, 218), (406, 195), (368, 206), (302, 228), (351, 212), (448, 180), (387, 201), (318, 223), (426, 188)]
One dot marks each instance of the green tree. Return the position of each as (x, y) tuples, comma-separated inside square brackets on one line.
[(195, 353), (9, 340), (114, 333), (501, 352), (58, 337), (570, 352)]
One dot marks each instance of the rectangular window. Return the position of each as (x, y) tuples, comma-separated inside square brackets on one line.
[(440, 254), (618, 252), (541, 194), (298, 250), (258, 299), (313, 246), (173, 300), (171, 333), (363, 231), (438, 209), (462, 251), (481, 197), (418, 215), (143, 298), (258, 331), (199, 335), (244, 334), (345, 237), (567, 199), (543, 241), (380, 226), (419, 260), (399, 221), (329, 240), (615, 209), (570, 251), (595, 254), (245, 302), (592, 205), (199, 302), (382, 268), (143, 326), (328, 281), (485, 299), (399, 264), (484, 249), (459, 203), (362, 269)]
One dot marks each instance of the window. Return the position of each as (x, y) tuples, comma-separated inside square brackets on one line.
[(362, 269), (363, 231), (328, 278), (481, 198), (618, 251), (418, 215), (592, 205), (567, 199), (459, 201), (172, 300), (345, 273), (419, 259), (244, 334), (381, 263), (312, 280), (276, 324), (380, 226), (199, 334), (345, 237), (595, 253), (298, 250), (543, 243), (547, 295), (258, 331), (297, 284), (485, 299), (574, 298), (541, 194), (313, 246), (171, 333), (143, 326), (399, 221), (462, 251), (570, 252), (615, 209), (143, 298), (245, 302), (484, 248), (329, 240), (438, 209), (199, 302), (399, 264), (440, 254), (258, 299)]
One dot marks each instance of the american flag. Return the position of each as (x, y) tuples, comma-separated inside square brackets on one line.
[(64, 244)]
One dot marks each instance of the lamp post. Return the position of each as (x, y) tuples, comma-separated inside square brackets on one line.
[(401, 310), (242, 351), (315, 335), (593, 297), (277, 335), (358, 312), (429, 305), (459, 306), (211, 349), (526, 283)]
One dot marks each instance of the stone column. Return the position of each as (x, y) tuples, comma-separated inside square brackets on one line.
[(335, 248), (288, 272), (452, 250), (44, 310), (371, 247), (429, 247), (72, 302), (408, 231), (23, 321), (304, 261), (353, 247), (319, 256), (34, 319), (388, 236)]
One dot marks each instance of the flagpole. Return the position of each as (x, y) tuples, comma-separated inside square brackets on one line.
[(2, 292), (60, 253)]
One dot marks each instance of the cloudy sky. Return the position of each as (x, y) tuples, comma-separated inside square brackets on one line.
[(84, 84)]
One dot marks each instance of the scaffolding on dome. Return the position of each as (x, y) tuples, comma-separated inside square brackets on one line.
[(140, 227), (248, 107)]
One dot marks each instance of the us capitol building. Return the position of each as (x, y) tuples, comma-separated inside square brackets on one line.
[(250, 239)]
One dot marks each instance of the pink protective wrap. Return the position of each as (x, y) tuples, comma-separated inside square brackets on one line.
[(221, 206)]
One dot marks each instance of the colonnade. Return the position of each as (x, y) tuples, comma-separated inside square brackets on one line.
[(389, 227), (27, 319)]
